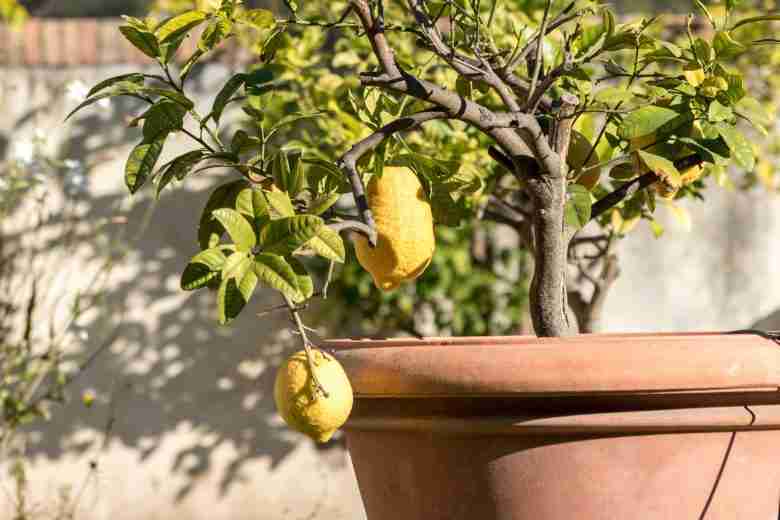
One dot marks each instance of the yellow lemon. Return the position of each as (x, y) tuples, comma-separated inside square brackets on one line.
[(302, 406), (580, 150), (404, 225)]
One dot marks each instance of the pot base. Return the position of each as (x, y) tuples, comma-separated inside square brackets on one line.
[(710, 475)]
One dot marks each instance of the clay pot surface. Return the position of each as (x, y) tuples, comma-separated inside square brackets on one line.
[(602, 426)]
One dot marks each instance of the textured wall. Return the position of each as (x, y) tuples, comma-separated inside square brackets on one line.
[(195, 434), (724, 274)]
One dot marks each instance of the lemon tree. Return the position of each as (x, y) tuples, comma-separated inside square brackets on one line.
[(380, 120)]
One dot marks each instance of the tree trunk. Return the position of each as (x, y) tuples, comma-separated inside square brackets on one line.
[(549, 307)]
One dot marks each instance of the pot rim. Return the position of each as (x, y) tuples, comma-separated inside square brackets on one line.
[(588, 364)]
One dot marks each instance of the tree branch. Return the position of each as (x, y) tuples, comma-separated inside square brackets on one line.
[(643, 181)]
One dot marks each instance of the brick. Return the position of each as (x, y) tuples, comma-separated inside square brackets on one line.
[(52, 41), (71, 34), (88, 41), (32, 35)]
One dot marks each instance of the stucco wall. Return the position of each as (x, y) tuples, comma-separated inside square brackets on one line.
[(195, 434)]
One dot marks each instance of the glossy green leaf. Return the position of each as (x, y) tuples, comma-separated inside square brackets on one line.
[(177, 26), (280, 203), (141, 162), (740, 147), (323, 203), (288, 177), (578, 206), (304, 280), (645, 121), (285, 235), (209, 229), (275, 272), (163, 117), (224, 95), (218, 29), (259, 18), (237, 227), (251, 203), (203, 269), (718, 112), (757, 19), (144, 41), (328, 244), (613, 95), (727, 47), (239, 281), (173, 95), (132, 78), (119, 89)]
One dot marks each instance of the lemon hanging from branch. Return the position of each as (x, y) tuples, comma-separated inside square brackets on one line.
[(404, 225), (313, 394)]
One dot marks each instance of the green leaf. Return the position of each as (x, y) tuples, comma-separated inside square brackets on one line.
[(662, 167), (328, 244), (239, 140), (287, 178), (323, 203), (727, 47), (287, 234), (704, 52), (237, 227), (578, 206), (446, 210), (274, 271), (252, 203), (170, 94), (645, 121), (140, 164), (757, 19), (177, 26), (228, 90), (168, 50), (304, 281), (209, 229), (178, 168), (215, 33), (736, 90), (280, 202), (183, 164), (120, 89), (163, 117), (133, 78), (718, 112), (613, 95), (739, 146), (144, 41), (239, 281), (259, 18), (202, 269)]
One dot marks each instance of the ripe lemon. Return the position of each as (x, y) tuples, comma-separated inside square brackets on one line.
[(580, 150), (302, 406), (404, 225)]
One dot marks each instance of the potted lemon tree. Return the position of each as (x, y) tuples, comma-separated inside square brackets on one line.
[(553, 119)]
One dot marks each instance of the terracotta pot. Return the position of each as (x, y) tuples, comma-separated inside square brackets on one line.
[(614, 426)]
